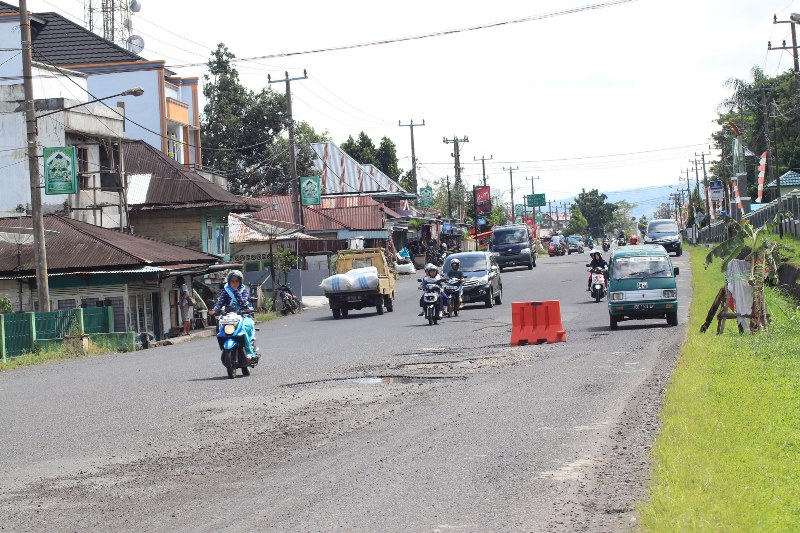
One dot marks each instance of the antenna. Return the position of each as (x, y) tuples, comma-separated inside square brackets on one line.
[(135, 44), (115, 17)]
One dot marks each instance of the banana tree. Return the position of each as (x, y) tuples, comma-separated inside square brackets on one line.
[(763, 253)]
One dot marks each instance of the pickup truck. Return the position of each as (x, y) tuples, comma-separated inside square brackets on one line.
[(358, 297)]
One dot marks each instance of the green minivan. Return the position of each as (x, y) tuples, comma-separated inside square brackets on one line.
[(642, 285)]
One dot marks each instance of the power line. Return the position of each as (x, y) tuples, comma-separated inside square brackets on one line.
[(531, 18)]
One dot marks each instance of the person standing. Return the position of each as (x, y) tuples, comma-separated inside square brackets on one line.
[(185, 305)]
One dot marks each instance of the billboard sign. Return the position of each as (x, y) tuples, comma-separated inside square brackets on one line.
[(535, 200), (483, 200), (716, 190), (426, 196), (60, 170), (310, 191)]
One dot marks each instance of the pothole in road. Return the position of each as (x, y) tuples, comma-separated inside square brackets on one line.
[(383, 380)]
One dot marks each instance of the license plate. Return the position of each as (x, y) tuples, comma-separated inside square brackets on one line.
[(644, 306), (353, 298)]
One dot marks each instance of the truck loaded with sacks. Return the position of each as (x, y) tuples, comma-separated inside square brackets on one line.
[(363, 279)]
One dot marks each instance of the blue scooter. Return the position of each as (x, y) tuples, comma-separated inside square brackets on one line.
[(231, 338)]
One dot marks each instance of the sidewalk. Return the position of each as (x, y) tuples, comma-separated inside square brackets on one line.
[(312, 302)]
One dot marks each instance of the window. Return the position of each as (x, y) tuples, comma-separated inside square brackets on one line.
[(217, 236), (641, 267), (83, 168), (361, 262), (251, 266), (67, 304), (109, 178)]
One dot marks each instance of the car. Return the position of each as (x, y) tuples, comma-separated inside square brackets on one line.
[(664, 232), (513, 245), (574, 245), (642, 285), (483, 282)]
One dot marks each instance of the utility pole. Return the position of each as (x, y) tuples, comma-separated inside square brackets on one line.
[(770, 155), (533, 192), (793, 48), (457, 161), (483, 164), (705, 187), (550, 212), (294, 185), (411, 126), (511, 177), (39, 250), (449, 207)]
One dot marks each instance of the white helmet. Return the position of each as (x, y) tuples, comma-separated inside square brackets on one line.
[(431, 266), (455, 262)]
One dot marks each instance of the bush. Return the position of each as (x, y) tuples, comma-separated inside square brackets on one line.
[(5, 305)]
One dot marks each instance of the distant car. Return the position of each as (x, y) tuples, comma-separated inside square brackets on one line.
[(574, 245), (483, 283), (513, 245), (666, 233)]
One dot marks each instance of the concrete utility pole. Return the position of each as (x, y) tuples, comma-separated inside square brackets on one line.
[(456, 142), (449, 206), (705, 186), (511, 177), (483, 164), (411, 126), (690, 210), (294, 185), (794, 19), (770, 155), (533, 191), (550, 212), (39, 251)]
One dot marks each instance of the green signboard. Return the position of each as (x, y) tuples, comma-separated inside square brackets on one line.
[(426, 197), (535, 200), (310, 190), (60, 170), (519, 209)]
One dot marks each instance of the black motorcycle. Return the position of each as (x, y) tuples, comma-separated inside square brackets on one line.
[(606, 245), (452, 289), (431, 301), (290, 303)]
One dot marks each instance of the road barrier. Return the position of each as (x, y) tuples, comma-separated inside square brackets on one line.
[(536, 322)]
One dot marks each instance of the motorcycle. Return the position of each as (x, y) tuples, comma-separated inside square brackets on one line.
[(288, 299), (555, 250), (453, 290), (431, 301), (606, 245), (621, 241), (598, 285), (231, 339)]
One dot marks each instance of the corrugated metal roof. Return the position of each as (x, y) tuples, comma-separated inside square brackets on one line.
[(341, 174), (279, 208), (80, 247), (369, 217), (171, 185), (333, 202)]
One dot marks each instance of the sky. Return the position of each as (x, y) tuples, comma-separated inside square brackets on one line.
[(612, 98)]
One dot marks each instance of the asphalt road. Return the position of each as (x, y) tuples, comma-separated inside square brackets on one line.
[(463, 432)]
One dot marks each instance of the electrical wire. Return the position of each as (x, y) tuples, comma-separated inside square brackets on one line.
[(531, 18)]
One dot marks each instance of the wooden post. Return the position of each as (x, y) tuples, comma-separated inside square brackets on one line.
[(719, 300)]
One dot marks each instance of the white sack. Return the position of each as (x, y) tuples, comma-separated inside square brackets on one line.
[(407, 268), (337, 283), (362, 279), (737, 276)]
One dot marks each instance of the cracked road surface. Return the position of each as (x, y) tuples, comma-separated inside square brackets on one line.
[(371, 423)]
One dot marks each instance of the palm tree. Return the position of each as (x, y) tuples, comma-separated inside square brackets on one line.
[(762, 252)]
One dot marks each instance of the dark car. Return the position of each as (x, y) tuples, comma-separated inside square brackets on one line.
[(574, 245), (666, 233), (513, 245), (483, 283)]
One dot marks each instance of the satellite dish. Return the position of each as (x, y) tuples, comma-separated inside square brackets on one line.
[(128, 24), (136, 6), (135, 44)]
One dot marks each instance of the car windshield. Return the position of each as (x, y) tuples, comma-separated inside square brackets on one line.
[(663, 227), (469, 264), (509, 236), (641, 267)]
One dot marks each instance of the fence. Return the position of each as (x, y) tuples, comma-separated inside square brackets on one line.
[(23, 332), (718, 231)]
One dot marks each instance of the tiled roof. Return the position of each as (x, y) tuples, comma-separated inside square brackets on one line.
[(8, 8), (81, 247), (159, 182), (790, 179)]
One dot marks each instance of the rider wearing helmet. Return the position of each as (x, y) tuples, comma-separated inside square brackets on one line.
[(455, 269), (236, 294), (634, 240), (432, 276), (597, 262)]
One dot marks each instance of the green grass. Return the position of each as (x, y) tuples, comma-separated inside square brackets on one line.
[(793, 243), (728, 455), (50, 355)]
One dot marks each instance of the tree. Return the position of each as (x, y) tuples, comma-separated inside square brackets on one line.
[(285, 260), (578, 225), (621, 219), (243, 132), (597, 212), (643, 223), (384, 157), (499, 216), (664, 211), (5, 305)]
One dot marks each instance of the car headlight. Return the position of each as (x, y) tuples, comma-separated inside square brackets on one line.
[(525, 251), (229, 329), (617, 296), (669, 293)]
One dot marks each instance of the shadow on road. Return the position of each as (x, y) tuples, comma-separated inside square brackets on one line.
[(214, 378)]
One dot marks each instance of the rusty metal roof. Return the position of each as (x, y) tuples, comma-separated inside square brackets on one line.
[(159, 182), (279, 208), (80, 247), (334, 202)]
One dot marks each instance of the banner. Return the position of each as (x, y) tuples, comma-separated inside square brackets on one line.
[(426, 197), (483, 200), (762, 168), (519, 210), (310, 190), (60, 170)]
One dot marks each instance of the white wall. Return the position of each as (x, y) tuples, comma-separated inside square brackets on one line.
[(9, 38)]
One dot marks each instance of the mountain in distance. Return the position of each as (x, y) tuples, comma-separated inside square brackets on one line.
[(645, 200)]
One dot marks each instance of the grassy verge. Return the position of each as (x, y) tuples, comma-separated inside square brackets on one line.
[(728, 455), (51, 355)]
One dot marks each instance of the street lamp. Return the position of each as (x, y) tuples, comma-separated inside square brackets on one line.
[(133, 91)]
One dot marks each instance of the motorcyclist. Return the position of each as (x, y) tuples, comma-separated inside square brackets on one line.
[(555, 240), (597, 262), (456, 272), (590, 242), (432, 276), (235, 294), (634, 240)]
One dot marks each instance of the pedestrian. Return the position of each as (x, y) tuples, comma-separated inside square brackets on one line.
[(185, 305)]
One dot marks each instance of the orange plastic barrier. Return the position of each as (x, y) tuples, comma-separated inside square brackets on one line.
[(536, 322)]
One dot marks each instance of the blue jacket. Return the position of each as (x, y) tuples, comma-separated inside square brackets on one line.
[(242, 297)]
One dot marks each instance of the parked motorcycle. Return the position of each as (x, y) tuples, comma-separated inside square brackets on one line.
[(231, 339), (431, 301), (290, 303), (598, 285), (453, 290)]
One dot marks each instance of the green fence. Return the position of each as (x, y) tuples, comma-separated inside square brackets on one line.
[(24, 332)]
